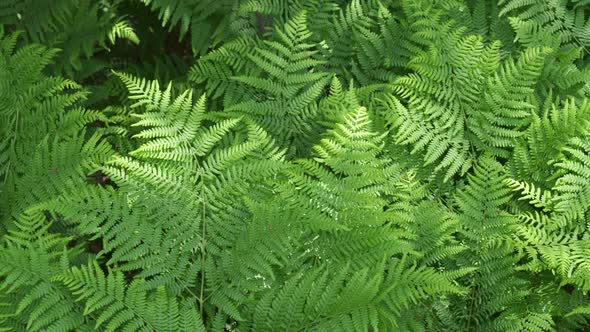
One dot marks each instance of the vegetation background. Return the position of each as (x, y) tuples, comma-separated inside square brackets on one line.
[(294, 165)]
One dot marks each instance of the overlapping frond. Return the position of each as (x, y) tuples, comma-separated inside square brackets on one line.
[(30, 257), (548, 23), (537, 150), (80, 28), (118, 306), (196, 16), (288, 86), (464, 100), (37, 164), (339, 299), (488, 230), (508, 102)]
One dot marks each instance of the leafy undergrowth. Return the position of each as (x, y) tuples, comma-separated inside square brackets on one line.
[(310, 165)]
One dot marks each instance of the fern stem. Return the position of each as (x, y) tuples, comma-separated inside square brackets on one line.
[(12, 147), (203, 246)]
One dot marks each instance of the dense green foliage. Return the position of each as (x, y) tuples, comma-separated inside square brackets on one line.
[(300, 165)]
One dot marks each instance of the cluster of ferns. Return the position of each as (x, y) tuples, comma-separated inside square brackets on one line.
[(294, 165)]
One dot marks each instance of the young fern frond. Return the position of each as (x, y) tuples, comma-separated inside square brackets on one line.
[(123, 30)]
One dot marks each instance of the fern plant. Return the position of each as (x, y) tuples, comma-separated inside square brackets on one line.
[(450, 123)]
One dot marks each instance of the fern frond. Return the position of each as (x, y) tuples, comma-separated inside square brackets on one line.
[(315, 301), (573, 186), (80, 29), (488, 230), (290, 85), (508, 101), (196, 16), (38, 163), (547, 23), (217, 68), (123, 30), (537, 150), (131, 308), (29, 259), (535, 196)]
